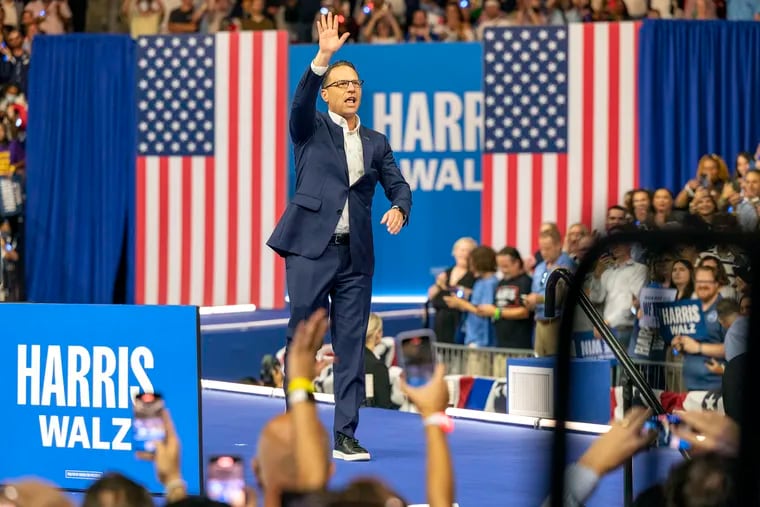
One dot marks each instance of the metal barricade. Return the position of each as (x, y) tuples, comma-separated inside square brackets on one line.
[(477, 361), (663, 375), (492, 362)]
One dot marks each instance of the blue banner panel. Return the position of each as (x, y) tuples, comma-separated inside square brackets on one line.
[(427, 99), (69, 374)]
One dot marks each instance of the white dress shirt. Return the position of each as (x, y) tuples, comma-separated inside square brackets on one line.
[(616, 288), (352, 143)]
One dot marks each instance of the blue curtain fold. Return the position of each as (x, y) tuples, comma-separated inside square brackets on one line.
[(81, 165), (699, 92)]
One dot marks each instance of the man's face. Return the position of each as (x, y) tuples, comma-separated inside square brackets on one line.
[(621, 251), (574, 234), (342, 91), (705, 205), (752, 185), (745, 306), (14, 39), (641, 201), (549, 249), (615, 218), (705, 285)]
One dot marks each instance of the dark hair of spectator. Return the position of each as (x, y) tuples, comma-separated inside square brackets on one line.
[(703, 481), (483, 259), (511, 251), (727, 307), (127, 493), (720, 269)]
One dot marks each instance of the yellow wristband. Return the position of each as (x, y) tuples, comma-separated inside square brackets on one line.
[(300, 384)]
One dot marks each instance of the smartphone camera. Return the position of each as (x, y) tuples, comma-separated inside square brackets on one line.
[(463, 4), (417, 357), (147, 422), (324, 11), (664, 425), (367, 9), (225, 481)]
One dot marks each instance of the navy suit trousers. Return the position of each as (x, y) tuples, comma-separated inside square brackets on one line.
[(310, 283)]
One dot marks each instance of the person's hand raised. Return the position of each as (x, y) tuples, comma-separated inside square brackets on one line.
[(330, 41)]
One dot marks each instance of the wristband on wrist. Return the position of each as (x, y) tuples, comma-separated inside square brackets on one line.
[(441, 420), (300, 396), (497, 314), (175, 484), (300, 384)]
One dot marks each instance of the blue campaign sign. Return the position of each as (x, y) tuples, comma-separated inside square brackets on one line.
[(69, 374), (427, 99), (587, 346), (683, 317)]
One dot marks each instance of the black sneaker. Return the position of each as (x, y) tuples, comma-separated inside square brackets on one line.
[(348, 449)]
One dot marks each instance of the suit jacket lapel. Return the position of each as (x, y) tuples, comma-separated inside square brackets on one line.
[(367, 149), (336, 133)]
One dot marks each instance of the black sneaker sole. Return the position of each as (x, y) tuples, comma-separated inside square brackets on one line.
[(359, 456)]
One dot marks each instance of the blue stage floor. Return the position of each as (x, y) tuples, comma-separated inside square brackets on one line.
[(495, 464)]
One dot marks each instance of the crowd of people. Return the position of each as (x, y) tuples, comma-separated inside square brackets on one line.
[(492, 298), (21, 22), (292, 465), (394, 21)]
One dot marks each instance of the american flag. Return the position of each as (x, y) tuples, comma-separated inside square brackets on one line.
[(561, 138), (211, 168)]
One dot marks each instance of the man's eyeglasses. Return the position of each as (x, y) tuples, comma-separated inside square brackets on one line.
[(343, 84)]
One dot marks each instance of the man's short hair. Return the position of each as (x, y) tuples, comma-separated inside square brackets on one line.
[(126, 491), (340, 63), (727, 307), (551, 234), (706, 269), (704, 481), (616, 207)]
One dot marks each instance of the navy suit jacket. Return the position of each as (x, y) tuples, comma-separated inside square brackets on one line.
[(322, 184)]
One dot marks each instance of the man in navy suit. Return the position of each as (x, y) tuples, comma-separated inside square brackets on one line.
[(325, 234)]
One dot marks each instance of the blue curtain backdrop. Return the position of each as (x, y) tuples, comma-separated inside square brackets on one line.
[(699, 92), (81, 166)]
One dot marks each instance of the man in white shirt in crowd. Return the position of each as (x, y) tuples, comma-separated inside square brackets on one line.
[(617, 280), (748, 209)]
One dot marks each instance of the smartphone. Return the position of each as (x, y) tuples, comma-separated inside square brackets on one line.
[(663, 425), (147, 422), (225, 481), (417, 356)]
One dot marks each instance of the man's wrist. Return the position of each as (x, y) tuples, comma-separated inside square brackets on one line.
[(175, 487), (322, 59)]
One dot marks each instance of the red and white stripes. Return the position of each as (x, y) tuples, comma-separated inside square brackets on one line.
[(202, 222), (521, 190)]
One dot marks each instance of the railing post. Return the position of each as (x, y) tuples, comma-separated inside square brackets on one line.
[(628, 468)]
